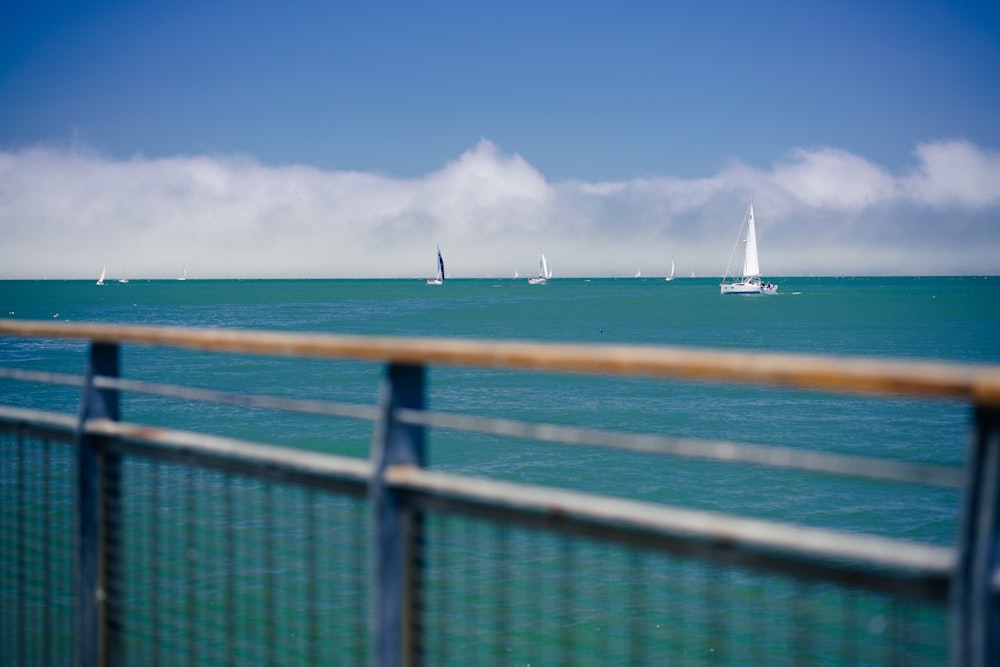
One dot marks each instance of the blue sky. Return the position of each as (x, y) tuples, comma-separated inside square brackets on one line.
[(348, 139)]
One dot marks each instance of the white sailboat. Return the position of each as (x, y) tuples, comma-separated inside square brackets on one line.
[(749, 281), (543, 272), (671, 276), (638, 273), (104, 272), (123, 279), (439, 278)]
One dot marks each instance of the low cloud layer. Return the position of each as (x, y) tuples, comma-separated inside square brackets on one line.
[(66, 212)]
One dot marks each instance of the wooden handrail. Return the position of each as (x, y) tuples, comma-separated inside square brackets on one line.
[(977, 383)]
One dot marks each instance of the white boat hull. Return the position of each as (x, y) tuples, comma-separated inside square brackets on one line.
[(537, 281), (751, 286)]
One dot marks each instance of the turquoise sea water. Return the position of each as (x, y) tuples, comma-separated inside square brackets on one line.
[(954, 319)]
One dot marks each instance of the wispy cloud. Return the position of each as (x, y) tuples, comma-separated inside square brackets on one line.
[(65, 212)]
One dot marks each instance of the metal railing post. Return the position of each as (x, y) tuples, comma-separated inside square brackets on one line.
[(98, 475), (975, 622), (396, 528)]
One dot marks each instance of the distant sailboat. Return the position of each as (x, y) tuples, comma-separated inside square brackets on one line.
[(104, 271), (544, 273), (638, 273), (671, 276), (184, 274), (439, 278), (749, 282), (123, 279)]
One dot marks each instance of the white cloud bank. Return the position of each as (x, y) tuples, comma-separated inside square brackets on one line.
[(66, 212)]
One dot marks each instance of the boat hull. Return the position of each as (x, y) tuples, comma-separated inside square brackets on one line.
[(751, 286)]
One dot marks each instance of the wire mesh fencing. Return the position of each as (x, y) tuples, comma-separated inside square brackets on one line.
[(218, 568), (500, 594), (36, 548), (211, 567), (225, 569)]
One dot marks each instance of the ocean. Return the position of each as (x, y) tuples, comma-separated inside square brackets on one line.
[(938, 318)]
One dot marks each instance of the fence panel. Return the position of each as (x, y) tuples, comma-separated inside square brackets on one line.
[(123, 543), (36, 546), (502, 594), (221, 568)]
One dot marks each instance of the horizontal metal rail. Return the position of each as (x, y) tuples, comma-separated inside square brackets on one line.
[(231, 455), (305, 406), (220, 453), (697, 448), (38, 421), (901, 567), (969, 382), (41, 377)]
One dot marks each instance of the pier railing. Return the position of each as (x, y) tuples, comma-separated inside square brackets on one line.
[(132, 543)]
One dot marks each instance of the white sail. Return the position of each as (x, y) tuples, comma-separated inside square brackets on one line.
[(104, 271), (751, 266), (671, 276)]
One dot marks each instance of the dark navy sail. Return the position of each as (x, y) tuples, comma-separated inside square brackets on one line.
[(439, 278)]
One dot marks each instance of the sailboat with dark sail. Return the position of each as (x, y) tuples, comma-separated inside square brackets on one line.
[(439, 278)]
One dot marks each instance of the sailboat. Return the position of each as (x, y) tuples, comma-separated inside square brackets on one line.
[(439, 278), (749, 282), (104, 271), (543, 272), (671, 276), (123, 279)]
